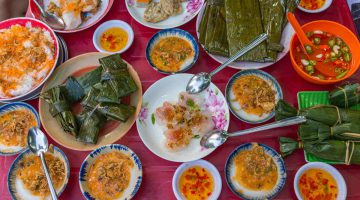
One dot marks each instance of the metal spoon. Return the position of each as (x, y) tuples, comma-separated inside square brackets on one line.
[(202, 80), (50, 19), (38, 144), (216, 138)]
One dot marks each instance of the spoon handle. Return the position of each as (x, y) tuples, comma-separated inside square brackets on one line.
[(242, 51), (40, 8), (48, 178), (282, 123), (298, 30)]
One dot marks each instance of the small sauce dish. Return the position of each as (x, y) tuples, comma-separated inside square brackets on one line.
[(325, 6), (341, 185), (203, 166), (113, 36)]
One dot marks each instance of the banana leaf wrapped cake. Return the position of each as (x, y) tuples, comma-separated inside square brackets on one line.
[(99, 92), (345, 96), (229, 25)]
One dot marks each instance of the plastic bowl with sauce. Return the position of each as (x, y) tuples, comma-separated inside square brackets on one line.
[(204, 170), (113, 36)]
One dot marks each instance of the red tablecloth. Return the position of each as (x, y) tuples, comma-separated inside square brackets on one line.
[(158, 172)]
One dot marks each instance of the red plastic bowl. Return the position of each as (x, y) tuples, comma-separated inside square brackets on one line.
[(338, 30), (35, 23), (35, 12)]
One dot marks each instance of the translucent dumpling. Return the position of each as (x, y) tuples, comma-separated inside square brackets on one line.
[(89, 5), (72, 19)]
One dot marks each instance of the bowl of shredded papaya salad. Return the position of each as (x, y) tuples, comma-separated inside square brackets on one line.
[(28, 54)]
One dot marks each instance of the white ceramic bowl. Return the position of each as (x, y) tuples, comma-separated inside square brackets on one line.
[(328, 168), (205, 164), (111, 24), (324, 7)]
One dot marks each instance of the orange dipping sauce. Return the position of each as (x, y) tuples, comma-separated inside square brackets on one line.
[(318, 184), (196, 183), (114, 39), (312, 4)]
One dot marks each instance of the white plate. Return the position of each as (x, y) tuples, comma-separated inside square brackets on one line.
[(287, 34), (168, 89), (202, 163), (328, 168), (190, 10), (323, 8)]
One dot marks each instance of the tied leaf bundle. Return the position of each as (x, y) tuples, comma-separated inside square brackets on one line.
[(313, 131), (326, 114), (345, 96), (91, 122), (60, 109), (347, 152)]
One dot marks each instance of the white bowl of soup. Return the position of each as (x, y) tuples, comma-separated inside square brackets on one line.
[(114, 36), (317, 179)]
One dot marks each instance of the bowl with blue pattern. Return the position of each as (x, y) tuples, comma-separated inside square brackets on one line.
[(243, 192), (9, 150), (16, 187), (173, 32), (85, 173), (235, 107)]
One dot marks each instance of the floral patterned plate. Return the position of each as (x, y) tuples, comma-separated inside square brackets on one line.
[(190, 9), (168, 89)]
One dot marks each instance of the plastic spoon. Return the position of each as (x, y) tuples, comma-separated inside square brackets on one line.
[(38, 144), (216, 138), (306, 43)]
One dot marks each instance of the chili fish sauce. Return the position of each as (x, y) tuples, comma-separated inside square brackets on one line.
[(196, 183)]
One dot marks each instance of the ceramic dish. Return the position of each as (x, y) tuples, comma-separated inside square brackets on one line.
[(136, 172), (173, 33), (338, 30), (326, 167), (202, 163), (34, 23), (9, 151), (326, 5), (168, 89), (190, 10), (104, 8), (15, 185), (113, 24), (235, 106), (285, 41), (244, 193), (83, 63)]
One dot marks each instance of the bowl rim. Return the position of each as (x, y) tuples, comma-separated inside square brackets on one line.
[(258, 73), (117, 24), (321, 9), (205, 164), (193, 44), (326, 167), (56, 53), (302, 74)]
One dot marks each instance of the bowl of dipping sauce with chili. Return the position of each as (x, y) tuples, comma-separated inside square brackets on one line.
[(113, 36), (314, 6), (334, 56), (197, 180), (317, 180)]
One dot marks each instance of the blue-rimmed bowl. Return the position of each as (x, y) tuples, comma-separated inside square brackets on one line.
[(9, 151), (173, 32), (234, 105), (244, 193), (136, 172), (15, 187)]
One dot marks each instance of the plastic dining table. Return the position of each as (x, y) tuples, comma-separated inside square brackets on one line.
[(158, 173)]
